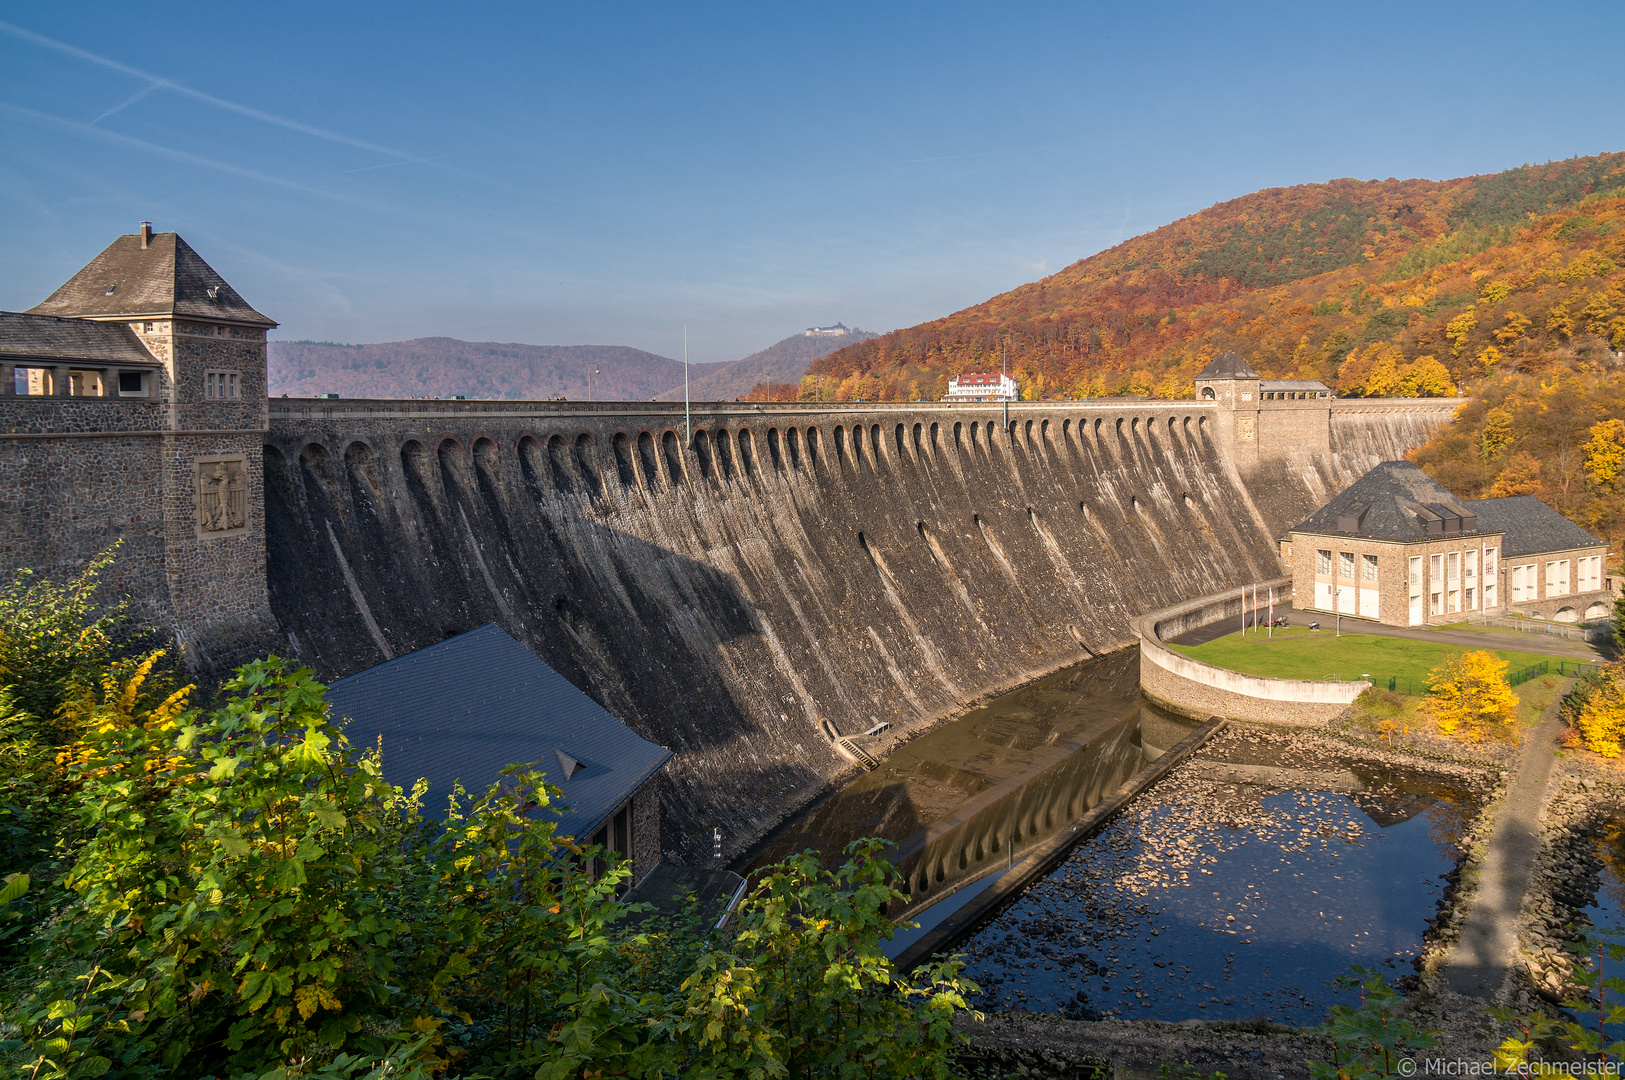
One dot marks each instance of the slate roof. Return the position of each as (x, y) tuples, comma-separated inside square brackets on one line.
[(475, 703), (1394, 501), (1531, 527), (167, 278), (25, 337), (1227, 365)]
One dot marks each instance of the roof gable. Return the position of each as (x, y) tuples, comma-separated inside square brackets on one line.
[(1228, 365), (1394, 501), (468, 707), (164, 278)]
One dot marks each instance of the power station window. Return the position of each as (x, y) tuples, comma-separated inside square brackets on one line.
[(221, 385), (130, 382)]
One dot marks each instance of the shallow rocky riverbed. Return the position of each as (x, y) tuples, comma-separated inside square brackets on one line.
[(1238, 888)]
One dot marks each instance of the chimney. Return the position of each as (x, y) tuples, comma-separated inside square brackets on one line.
[(146, 235)]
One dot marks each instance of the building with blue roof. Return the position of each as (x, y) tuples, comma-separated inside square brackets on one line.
[(465, 709)]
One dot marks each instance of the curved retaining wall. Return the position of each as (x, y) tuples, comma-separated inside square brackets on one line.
[(1193, 688)]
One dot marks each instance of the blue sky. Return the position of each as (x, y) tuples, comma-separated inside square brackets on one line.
[(596, 173)]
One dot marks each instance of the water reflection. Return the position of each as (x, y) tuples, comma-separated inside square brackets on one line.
[(1607, 909), (966, 798), (1216, 900)]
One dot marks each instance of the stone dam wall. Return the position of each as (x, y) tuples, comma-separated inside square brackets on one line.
[(788, 574)]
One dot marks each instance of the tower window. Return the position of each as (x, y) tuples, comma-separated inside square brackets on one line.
[(130, 382), (221, 385)]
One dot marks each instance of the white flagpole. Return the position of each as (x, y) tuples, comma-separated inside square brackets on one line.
[(1271, 633)]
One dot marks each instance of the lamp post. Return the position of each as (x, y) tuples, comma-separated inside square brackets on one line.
[(1337, 602)]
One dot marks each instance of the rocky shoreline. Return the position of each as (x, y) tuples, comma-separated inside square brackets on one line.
[(1585, 793)]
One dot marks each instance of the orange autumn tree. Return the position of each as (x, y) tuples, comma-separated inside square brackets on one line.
[(1468, 695)]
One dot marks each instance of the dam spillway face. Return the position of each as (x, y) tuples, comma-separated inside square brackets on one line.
[(784, 573)]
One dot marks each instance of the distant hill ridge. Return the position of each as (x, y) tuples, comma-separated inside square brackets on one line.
[(440, 366)]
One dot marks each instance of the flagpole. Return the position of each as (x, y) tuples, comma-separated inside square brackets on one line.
[(688, 428)]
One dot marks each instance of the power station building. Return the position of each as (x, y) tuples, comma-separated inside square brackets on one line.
[(1397, 548)]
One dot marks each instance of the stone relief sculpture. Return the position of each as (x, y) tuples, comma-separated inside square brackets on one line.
[(222, 495)]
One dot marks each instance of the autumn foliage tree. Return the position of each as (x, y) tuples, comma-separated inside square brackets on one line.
[(1597, 710), (1469, 696)]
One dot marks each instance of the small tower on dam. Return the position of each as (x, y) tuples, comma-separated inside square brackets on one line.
[(133, 402), (1262, 419)]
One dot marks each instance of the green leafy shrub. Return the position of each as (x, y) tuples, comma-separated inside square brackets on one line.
[(1368, 1040), (251, 898)]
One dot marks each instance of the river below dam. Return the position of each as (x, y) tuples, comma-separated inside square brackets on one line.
[(1236, 888), (981, 790)]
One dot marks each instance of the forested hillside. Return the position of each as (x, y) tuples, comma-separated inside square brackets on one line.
[(1352, 282), (1558, 435)]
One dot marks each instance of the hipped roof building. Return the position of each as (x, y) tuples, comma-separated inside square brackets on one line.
[(1397, 547), (465, 709)]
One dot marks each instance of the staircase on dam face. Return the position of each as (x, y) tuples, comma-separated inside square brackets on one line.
[(855, 753), (724, 585)]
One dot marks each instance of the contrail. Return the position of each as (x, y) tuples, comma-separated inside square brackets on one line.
[(158, 82), (393, 164), (127, 102), (39, 118)]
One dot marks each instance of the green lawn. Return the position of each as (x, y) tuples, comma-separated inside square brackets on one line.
[(1296, 653)]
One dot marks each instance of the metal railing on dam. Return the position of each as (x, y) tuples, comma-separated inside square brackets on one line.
[(788, 571)]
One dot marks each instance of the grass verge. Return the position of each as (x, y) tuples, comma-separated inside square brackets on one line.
[(1297, 653)]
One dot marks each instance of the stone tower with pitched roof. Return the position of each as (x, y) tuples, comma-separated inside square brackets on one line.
[(139, 386)]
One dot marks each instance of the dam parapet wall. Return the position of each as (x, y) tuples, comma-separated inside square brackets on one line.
[(1193, 688)]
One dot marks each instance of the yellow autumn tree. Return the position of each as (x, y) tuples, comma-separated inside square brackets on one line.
[(1516, 326), (1602, 718), (1605, 452), (1497, 432), (1372, 371), (1459, 329), (1468, 695), (1425, 377)]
